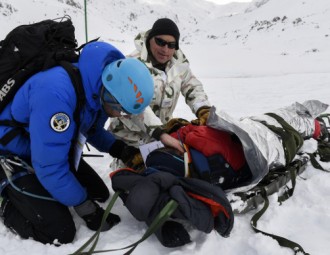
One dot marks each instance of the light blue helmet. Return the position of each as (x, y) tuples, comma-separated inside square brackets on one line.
[(130, 83)]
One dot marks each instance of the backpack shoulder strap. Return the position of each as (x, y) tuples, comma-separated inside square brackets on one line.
[(18, 129), (76, 80)]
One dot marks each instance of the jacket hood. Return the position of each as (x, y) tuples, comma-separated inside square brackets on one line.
[(93, 58)]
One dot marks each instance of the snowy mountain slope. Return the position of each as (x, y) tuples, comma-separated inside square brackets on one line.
[(288, 37), (261, 23), (282, 22), (124, 16), (249, 62), (119, 17)]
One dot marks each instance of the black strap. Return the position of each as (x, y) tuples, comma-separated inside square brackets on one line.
[(292, 170), (316, 164), (83, 45), (289, 192), (12, 123), (18, 129), (11, 135), (281, 240), (76, 80), (269, 185)]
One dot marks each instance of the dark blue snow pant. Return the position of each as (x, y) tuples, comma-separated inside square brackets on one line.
[(44, 220)]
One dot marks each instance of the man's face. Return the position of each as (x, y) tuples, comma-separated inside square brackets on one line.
[(161, 48), (110, 105), (111, 112)]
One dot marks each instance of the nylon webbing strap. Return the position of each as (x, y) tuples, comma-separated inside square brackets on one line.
[(10, 135), (18, 128), (163, 215), (291, 139), (289, 192), (316, 164), (76, 81), (97, 233), (160, 219), (281, 240)]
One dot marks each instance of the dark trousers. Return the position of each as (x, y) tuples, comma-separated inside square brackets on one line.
[(44, 220)]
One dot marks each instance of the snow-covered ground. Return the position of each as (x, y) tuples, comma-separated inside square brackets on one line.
[(251, 58)]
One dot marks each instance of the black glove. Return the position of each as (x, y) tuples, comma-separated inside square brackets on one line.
[(130, 155), (92, 214), (158, 132)]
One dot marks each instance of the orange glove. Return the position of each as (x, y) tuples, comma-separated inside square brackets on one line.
[(202, 115), (174, 124), (136, 162)]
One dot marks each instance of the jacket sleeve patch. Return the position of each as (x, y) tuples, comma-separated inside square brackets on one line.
[(60, 122)]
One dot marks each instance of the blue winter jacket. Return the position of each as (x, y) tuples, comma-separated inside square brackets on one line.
[(51, 92)]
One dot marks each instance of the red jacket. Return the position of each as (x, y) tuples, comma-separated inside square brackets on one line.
[(211, 141)]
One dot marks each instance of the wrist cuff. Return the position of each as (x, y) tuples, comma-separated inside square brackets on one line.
[(86, 208)]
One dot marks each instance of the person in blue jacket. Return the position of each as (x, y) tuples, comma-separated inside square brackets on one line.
[(40, 178)]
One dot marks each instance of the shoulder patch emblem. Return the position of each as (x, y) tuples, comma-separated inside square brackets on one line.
[(60, 122)]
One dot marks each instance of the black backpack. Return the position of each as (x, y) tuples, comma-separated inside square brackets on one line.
[(32, 48)]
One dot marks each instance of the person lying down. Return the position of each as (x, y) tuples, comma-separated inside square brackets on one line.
[(225, 154)]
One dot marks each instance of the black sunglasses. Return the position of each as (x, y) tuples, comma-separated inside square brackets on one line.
[(160, 42)]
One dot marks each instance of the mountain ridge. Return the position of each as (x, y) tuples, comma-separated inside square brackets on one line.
[(198, 20)]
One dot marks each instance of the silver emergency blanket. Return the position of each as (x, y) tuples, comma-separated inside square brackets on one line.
[(263, 148)]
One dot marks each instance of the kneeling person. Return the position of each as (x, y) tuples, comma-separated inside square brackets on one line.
[(35, 203)]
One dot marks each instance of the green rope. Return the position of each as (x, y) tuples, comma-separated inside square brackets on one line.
[(163, 215), (97, 233), (160, 219)]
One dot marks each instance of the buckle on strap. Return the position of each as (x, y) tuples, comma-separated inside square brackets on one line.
[(5, 182), (11, 174)]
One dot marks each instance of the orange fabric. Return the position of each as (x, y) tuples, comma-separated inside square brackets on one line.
[(215, 207), (122, 169), (211, 141)]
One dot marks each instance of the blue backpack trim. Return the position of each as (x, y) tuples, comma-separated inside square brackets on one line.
[(200, 162)]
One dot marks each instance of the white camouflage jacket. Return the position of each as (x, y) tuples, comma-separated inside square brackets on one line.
[(176, 79)]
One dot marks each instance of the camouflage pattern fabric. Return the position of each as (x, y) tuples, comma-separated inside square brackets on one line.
[(177, 79)]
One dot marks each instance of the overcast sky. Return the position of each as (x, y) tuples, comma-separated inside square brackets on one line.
[(228, 1)]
